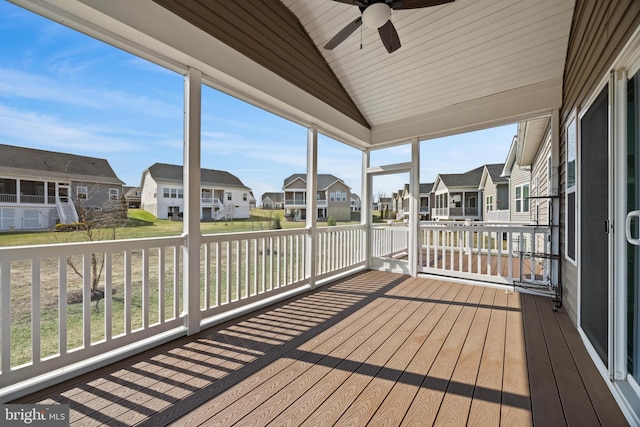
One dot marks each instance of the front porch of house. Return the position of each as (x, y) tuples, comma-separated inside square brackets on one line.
[(373, 348)]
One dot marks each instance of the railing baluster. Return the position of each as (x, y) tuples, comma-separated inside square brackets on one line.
[(5, 278), (127, 292), (36, 336), (255, 267), (238, 270), (86, 299), (162, 291), (108, 296), (145, 288), (176, 282), (62, 305), (207, 275)]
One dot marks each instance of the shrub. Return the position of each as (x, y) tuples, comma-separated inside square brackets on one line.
[(331, 221), (276, 223)]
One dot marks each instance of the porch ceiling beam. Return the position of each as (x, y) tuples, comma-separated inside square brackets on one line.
[(389, 169), (495, 110)]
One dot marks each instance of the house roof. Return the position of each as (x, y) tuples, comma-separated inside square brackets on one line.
[(276, 197), (30, 162), (162, 172), (467, 179), (495, 171), (324, 180), (129, 191), (426, 187), (482, 62)]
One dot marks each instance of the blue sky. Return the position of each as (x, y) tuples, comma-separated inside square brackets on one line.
[(63, 91)]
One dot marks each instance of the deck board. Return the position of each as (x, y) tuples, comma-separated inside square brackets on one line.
[(375, 348)]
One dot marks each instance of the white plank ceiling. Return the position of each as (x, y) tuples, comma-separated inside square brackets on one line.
[(457, 54)]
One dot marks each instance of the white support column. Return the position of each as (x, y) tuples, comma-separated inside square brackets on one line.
[(367, 196), (191, 180), (311, 203), (414, 206)]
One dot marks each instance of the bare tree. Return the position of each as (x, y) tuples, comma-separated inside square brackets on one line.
[(96, 224)]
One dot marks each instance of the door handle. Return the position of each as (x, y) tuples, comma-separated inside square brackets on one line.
[(630, 238)]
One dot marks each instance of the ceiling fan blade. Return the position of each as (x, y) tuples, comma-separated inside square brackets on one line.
[(344, 33), (389, 37), (416, 4)]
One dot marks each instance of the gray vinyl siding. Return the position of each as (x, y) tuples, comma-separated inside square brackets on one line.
[(97, 194), (599, 31), (489, 190), (341, 211), (519, 176), (540, 176)]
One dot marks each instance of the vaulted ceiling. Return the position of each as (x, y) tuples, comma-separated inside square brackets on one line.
[(462, 66)]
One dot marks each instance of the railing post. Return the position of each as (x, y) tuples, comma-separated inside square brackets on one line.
[(414, 202), (311, 204), (366, 219), (191, 182)]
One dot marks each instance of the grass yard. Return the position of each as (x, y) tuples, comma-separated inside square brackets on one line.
[(142, 224)]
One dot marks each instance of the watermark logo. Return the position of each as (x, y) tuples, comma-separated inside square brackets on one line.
[(34, 415)]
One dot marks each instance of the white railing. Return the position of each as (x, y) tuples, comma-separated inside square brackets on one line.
[(32, 199), (497, 216), (241, 268), (8, 198), (339, 249), (463, 212), (63, 304), (389, 241), (208, 200), (494, 252)]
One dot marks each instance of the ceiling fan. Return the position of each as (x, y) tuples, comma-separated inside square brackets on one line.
[(377, 14)]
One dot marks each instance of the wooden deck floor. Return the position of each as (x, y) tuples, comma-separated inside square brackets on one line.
[(376, 349)]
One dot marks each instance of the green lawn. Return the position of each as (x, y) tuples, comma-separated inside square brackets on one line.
[(142, 224)]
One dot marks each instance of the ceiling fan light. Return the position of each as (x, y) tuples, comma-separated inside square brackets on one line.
[(376, 15)]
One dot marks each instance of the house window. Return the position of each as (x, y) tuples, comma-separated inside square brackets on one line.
[(489, 203), (180, 193), (165, 193), (332, 197), (344, 196), (522, 198), (471, 202), (113, 194), (81, 192), (229, 196), (244, 197)]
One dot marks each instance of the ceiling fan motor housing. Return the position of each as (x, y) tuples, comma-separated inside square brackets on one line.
[(376, 15)]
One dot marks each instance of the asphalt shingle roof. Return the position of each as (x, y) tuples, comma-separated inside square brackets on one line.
[(426, 188), (495, 171), (324, 180), (54, 164), (276, 197), (468, 179), (173, 173)]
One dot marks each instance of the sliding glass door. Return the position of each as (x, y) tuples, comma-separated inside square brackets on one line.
[(632, 227)]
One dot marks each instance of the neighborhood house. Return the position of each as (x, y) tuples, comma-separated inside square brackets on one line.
[(40, 188), (333, 197), (222, 195)]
